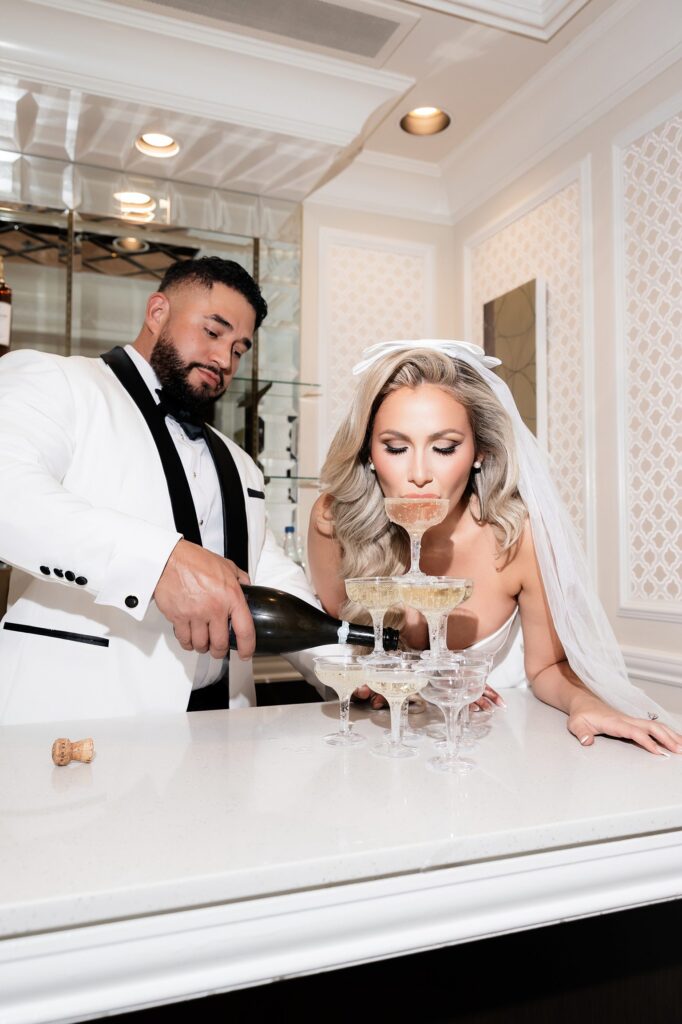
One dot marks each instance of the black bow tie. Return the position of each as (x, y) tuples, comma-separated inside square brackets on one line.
[(169, 406)]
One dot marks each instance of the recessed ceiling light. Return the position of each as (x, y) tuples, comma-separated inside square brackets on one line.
[(425, 121), (157, 144), (130, 244), (140, 199)]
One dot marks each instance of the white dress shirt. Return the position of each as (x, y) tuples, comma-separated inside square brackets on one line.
[(202, 478)]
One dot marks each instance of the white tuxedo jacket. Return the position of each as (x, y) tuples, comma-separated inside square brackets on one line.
[(86, 521)]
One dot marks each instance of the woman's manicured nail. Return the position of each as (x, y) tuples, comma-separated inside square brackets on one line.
[(665, 753), (584, 739)]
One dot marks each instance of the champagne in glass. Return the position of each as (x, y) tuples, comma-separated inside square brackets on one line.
[(435, 597), (416, 515), (397, 683), (377, 594), (344, 673)]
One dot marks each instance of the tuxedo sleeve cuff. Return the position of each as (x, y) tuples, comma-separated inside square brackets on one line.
[(135, 569)]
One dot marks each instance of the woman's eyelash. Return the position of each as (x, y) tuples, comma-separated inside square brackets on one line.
[(446, 451), (394, 451)]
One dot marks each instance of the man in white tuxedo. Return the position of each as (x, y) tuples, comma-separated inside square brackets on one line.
[(129, 522)]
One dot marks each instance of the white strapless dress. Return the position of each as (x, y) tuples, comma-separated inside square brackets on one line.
[(506, 646)]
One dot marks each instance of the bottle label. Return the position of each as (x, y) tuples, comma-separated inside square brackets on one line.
[(5, 321), (343, 632)]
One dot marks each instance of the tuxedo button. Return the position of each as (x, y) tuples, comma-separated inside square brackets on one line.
[(58, 572), (81, 581), (70, 576), (45, 571), (131, 601)]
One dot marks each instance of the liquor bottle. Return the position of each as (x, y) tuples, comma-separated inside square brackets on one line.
[(5, 310), (285, 623)]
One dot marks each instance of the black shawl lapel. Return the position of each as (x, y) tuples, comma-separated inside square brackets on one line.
[(184, 513), (237, 536)]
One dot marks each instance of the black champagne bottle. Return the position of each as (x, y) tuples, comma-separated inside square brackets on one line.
[(285, 623)]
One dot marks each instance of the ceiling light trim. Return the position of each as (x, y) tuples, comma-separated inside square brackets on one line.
[(105, 10), (539, 19)]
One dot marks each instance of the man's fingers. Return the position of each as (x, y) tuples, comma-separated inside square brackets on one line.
[(199, 635), (244, 631), (183, 635), (219, 638)]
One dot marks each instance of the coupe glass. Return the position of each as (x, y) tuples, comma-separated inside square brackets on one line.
[(451, 686), (435, 597), (397, 683), (344, 673), (416, 515), (377, 594)]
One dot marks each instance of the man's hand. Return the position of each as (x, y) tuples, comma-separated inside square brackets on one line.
[(200, 593)]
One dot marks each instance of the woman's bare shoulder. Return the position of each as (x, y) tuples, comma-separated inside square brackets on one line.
[(321, 516)]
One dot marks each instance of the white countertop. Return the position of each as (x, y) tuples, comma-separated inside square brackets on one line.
[(193, 814)]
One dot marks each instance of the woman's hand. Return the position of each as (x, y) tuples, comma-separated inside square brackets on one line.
[(592, 717), (487, 702)]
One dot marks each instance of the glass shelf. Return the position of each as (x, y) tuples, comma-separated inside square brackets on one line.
[(246, 382)]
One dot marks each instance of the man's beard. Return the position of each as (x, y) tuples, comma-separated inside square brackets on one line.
[(174, 376)]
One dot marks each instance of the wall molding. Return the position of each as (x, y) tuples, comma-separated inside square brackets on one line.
[(658, 611), (582, 174), (645, 666)]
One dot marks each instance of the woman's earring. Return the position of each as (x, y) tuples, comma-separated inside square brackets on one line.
[(371, 466), (477, 466)]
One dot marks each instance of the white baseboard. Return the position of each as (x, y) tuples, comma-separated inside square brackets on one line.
[(645, 666)]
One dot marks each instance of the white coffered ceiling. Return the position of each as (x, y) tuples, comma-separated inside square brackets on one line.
[(265, 96)]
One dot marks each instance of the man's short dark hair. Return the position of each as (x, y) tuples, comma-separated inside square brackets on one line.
[(210, 270)]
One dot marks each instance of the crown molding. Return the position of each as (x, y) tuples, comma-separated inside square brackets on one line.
[(539, 19), (398, 163), (223, 39), (317, 98), (648, 666), (583, 83)]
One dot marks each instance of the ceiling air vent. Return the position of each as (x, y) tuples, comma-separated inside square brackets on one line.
[(368, 32)]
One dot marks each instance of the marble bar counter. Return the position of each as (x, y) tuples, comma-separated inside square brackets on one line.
[(206, 852)]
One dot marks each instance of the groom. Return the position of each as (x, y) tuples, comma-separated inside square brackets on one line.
[(130, 523)]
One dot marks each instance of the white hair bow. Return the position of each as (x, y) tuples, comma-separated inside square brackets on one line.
[(449, 348)]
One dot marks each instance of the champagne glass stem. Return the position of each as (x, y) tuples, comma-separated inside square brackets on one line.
[(344, 713), (443, 632), (452, 723), (415, 552), (378, 623), (433, 620), (396, 721)]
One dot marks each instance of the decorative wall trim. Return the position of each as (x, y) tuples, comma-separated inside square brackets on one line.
[(629, 608), (398, 163), (329, 237), (646, 666), (539, 19), (582, 174)]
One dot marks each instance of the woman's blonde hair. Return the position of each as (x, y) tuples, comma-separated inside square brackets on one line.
[(370, 544)]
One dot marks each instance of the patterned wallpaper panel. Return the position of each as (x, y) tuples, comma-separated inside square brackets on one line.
[(652, 263), (372, 294), (546, 242)]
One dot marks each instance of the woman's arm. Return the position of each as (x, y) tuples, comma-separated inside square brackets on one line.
[(554, 682), (324, 558)]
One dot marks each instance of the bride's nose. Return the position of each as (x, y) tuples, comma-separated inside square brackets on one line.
[(420, 472)]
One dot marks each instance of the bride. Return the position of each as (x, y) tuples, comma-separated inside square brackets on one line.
[(429, 418)]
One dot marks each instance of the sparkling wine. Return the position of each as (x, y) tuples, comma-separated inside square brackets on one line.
[(376, 593), (436, 595), (342, 680), (285, 623), (416, 515), (396, 682)]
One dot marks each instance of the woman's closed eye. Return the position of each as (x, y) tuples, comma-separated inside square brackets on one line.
[(391, 450), (450, 450)]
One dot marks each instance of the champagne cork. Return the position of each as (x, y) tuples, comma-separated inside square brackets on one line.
[(64, 751)]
